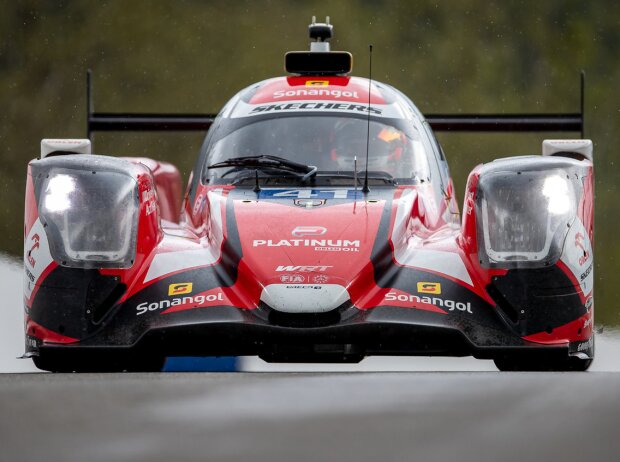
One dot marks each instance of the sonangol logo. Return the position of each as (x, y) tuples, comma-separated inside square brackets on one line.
[(301, 231), (429, 288), (181, 288), (317, 83)]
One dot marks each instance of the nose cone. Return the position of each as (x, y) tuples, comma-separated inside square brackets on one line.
[(306, 259), (304, 298)]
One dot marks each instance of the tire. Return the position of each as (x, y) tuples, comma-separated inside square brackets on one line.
[(99, 364), (534, 364)]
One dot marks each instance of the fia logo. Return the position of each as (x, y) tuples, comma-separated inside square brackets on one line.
[(293, 278)]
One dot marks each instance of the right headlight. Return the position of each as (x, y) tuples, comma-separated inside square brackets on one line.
[(523, 212), (90, 216)]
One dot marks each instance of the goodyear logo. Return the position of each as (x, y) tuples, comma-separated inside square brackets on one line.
[(181, 288), (429, 288), (317, 83)]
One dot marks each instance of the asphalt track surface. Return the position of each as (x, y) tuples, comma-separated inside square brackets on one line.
[(327, 413), (361, 416)]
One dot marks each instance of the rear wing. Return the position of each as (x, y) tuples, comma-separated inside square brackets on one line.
[(560, 122)]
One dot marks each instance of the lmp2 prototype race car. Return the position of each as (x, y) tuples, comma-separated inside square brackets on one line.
[(319, 225)]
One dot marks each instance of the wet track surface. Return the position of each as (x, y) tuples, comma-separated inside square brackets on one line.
[(362, 416), (325, 413)]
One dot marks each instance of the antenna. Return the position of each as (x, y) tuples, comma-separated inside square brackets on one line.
[(583, 100), (366, 189), (89, 104), (355, 175)]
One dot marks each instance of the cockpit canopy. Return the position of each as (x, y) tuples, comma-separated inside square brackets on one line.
[(322, 123)]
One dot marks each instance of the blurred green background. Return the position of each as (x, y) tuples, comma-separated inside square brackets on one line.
[(192, 56)]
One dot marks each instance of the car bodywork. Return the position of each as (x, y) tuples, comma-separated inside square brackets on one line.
[(119, 274)]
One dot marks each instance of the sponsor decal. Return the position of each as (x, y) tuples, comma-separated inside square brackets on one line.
[(588, 322), (469, 203), (310, 193), (320, 279), (309, 203), (293, 278), (302, 269), (583, 346), (196, 300), (444, 303), (305, 286), (320, 245), (29, 275), (316, 92), (32, 342), (37, 256), (148, 196), (586, 272), (315, 106), (35, 246), (337, 249), (429, 288), (301, 231), (579, 242), (589, 302), (317, 83), (180, 288), (197, 204)]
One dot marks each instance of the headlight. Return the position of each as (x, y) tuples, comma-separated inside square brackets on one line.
[(91, 217), (523, 214)]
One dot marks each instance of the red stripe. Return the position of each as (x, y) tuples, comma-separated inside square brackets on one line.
[(48, 336)]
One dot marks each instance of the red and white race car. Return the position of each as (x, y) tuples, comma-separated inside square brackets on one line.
[(319, 225)]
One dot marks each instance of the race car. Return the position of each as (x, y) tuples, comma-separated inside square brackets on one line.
[(319, 224)]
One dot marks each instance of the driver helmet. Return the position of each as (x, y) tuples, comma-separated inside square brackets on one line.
[(385, 147)]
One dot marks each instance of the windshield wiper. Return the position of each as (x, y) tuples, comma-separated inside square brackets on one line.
[(269, 162)]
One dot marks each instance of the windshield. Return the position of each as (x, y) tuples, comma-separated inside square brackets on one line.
[(329, 143)]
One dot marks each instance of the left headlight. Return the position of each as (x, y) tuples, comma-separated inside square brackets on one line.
[(524, 208), (91, 217)]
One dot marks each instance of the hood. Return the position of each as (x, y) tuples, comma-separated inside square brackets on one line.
[(307, 253)]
